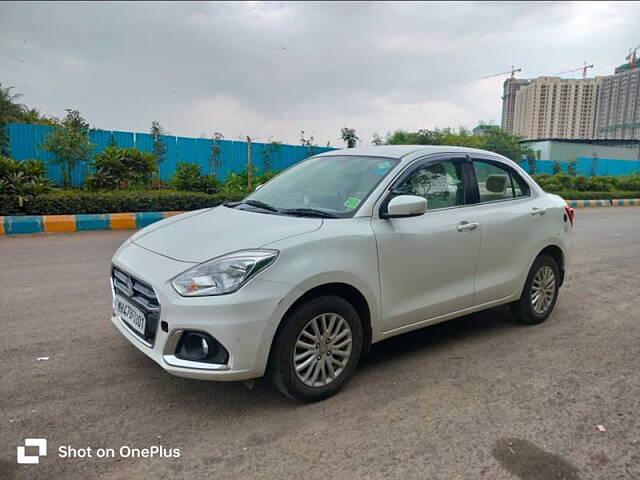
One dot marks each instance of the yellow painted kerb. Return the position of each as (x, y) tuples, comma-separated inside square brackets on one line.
[(122, 220), (59, 223)]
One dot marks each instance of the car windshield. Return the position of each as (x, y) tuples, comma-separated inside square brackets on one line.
[(331, 186)]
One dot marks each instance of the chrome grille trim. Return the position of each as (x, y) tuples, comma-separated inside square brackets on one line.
[(141, 295)]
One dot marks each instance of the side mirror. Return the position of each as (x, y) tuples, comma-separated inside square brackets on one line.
[(405, 206)]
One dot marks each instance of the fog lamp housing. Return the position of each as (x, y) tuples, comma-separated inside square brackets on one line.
[(201, 347)]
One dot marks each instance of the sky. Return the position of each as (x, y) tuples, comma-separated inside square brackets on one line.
[(270, 70)]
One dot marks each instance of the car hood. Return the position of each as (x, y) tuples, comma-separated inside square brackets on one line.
[(204, 234)]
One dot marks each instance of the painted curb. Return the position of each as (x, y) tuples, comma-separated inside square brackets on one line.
[(627, 202), (24, 224), (15, 225), (588, 203)]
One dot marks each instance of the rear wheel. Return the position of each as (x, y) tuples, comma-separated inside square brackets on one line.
[(540, 292), (316, 349)]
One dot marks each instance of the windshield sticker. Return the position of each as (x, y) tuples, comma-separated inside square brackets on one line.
[(352, 202), (382, 168)]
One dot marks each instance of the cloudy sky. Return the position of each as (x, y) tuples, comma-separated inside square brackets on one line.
[(273, 69)]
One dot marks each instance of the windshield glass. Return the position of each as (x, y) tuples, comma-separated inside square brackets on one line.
[(336, 185)]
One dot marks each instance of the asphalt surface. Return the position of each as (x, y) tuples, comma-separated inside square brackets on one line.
[(477, 397)]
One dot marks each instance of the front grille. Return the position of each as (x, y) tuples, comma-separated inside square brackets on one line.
[(142, 296)]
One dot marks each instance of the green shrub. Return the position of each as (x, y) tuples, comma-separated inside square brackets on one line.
[(122, 168), (620, 194), (70, 202), (629, 182), (603, 183), (189, 178), (237, 182), (23, 179)]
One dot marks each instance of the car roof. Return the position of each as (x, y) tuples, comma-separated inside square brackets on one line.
[(399, 151)]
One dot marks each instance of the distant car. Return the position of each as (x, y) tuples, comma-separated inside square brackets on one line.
[(340, 251)]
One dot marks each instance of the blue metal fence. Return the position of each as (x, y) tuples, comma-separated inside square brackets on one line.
[(585, 165), (27, 142)]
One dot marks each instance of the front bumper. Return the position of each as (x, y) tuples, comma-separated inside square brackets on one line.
[(244, 322)]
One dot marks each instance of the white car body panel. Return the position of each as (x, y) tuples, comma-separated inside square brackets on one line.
[(410, 251), (205, 239), (411, 272)]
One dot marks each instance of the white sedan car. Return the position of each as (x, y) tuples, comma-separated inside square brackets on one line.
[(340, 251)]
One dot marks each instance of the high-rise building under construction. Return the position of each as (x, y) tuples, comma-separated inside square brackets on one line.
[(606, 107), (509, 89), (618, 114)]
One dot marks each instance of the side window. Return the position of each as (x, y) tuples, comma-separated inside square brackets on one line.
[(439, 183), (496, 182)]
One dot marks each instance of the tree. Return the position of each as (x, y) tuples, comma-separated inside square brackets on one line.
[(572, 170), (307, 142), (376, 140), (216, 151), (498, 141), (594, 166), (557, 167), (532, 160), (349, 136), (267, 154), (159, 148), (69, 143), (494, 139), (33, 116), (5, 142), (10, 109)]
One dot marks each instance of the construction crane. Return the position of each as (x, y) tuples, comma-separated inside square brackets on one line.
[(583, 68), (632, 56), (513, 72)]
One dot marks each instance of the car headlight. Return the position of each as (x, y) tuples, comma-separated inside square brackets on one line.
[(224, 274)]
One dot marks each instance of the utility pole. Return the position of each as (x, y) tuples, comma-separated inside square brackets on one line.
[(249, 167)]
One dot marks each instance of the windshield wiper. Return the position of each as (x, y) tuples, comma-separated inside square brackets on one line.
[(308, 212), (253, 203)]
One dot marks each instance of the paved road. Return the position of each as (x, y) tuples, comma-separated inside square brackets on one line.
[(477, 397)]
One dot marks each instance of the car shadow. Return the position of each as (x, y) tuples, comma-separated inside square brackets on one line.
[(468, 328), (262, 396)]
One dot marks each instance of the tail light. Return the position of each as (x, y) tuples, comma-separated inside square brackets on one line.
[(569, 212)]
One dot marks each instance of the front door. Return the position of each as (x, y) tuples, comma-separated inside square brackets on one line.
[(427, 263)]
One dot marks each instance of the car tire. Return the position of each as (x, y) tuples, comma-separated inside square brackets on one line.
[(334, 354), (538, 296)]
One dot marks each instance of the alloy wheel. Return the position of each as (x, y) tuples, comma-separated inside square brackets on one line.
[(543, 289), (322, 350)]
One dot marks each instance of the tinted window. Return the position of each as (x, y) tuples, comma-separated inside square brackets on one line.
[(496, 182), (439, 183)]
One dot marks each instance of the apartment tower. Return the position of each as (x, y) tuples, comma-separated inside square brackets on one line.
[(554, 107)]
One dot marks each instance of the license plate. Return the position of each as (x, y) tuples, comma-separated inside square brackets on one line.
[(130, 314)]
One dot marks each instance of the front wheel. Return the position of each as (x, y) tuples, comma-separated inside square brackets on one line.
[(540, 292), (316, 349)]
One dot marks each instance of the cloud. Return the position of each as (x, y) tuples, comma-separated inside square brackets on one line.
[(266, 68)]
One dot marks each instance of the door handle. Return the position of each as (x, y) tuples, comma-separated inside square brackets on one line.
[(538, 211), (462, 226)]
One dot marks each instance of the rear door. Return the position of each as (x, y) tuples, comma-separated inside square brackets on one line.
[(427, 263), (511, 229)]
